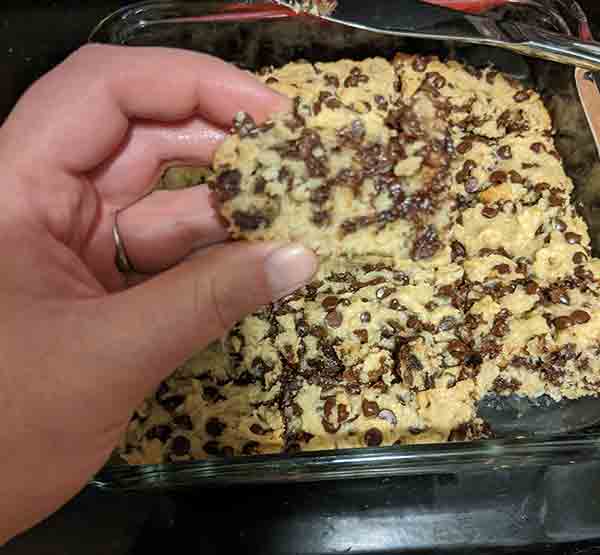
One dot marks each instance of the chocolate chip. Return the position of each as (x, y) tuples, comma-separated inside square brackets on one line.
[(244, 125), (498, 177), (413, 323), (370, 408), (162, 390), (183, 421), (365, 317), (329, 302), (573, 238), (211, 448), (373, 437), (320, 195), (228, 184), (505, 152), (515, 177), (469, 165), (426, 244), (332, 103), (329, 406), (388, 416), (579, 258), (556, 199), (334, 319), (215, 427), (343, 413), (580, 317), (513, 122), (249, 221), (490, 77), (260, 185), (171, 403), (363, 335), (502, 268), (162, 432), (489, 212), (251, 448), (471, 321), (563, 322), (258, 429), (329, 427), (521, 96), (582, 273), (464, 147), (471, 185), (473, 360), (355, 78), (559, 296), (499, 329), (537, 147), (435, 79), (457, 348), (383, 292), (332, 80), (447, 323), (394, 304), (420, 63), (210, 393), (559, 225), (458, 250), (227, 451), (321, 218), (180, 446), (532, 288)]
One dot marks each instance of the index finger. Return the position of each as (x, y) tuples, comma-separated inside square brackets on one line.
[(79, 113)]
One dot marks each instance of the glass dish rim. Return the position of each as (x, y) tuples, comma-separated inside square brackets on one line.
[(380, 462)]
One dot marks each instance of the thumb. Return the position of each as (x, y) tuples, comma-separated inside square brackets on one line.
[(152, 328)]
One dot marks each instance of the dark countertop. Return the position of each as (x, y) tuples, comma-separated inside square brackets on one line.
[(35, 35), (557, 510)]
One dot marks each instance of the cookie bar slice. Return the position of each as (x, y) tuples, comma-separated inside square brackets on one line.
[(200, 411), (353, 169), (380, 157), (364, 347)]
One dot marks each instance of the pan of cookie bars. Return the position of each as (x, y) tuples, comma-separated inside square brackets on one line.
[(451, 193)]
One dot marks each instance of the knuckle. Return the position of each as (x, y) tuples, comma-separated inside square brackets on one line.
[(84, 53), (210, 306)]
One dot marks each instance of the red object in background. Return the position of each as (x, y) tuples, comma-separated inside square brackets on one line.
[(274, 10), (244, 12), (269, 10), (471, 6)]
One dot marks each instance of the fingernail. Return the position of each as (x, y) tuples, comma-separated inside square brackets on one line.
[(288, 268)]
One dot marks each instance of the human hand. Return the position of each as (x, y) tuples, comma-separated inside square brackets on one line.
[(78, 350)]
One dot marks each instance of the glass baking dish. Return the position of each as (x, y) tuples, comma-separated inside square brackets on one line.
[(535, 433)]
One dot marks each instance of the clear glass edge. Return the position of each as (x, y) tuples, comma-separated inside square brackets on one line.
[(123, 23), (355, 463), (333, 464)]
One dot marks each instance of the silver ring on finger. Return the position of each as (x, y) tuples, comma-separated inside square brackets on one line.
[(122, 261)]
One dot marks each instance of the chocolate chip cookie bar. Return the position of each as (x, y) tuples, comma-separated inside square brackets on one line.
[(376, 156), (454, 266), (360, 353), (201, 411)]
